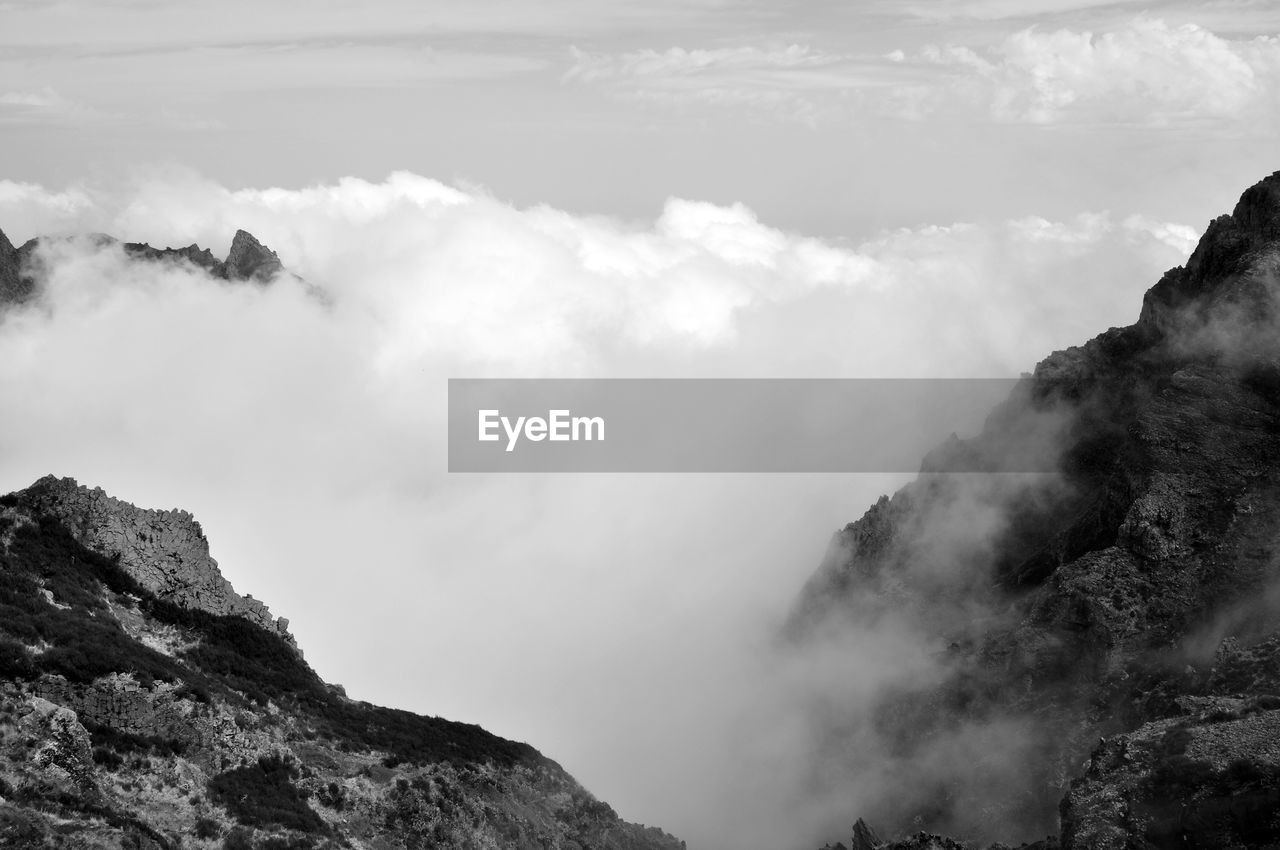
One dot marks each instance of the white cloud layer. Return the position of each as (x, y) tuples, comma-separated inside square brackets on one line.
[(1143, 73), (621, 624)]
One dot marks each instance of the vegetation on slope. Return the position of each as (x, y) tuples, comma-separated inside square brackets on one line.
[(72, 633)]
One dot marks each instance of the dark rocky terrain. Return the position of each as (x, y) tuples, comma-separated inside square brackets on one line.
[(1107, 637), (145, 704)]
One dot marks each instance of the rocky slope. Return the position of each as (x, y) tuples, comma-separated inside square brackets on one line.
[(1123, 613), (145, 704)]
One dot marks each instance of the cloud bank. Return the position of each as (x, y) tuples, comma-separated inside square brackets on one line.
[(622, 624)]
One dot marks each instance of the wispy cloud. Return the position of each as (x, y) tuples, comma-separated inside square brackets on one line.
[(677, 61), (948, 10), (1144, 73), (792, 81), (45, 106)]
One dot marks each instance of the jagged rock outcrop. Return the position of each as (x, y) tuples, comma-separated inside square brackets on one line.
[(193, 254), (61, 745), (249, 259), (164, 551), (13, 287), (864, 837), (1096, 602)]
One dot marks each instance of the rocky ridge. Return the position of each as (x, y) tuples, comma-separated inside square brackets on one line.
[(248, 260), (1131, 598)]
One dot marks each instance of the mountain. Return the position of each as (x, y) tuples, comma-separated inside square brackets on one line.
[(13, 286), (144, 703), (1105, 639), (22, 268)]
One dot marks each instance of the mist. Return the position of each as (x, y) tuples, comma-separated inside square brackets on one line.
[(627, 626)]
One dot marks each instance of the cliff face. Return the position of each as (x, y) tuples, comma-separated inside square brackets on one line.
[(1135, 592), (145, 704)]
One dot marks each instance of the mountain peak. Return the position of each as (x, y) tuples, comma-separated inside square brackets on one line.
[(1258, 210), (12, 285), (1122, 610), (249, 259), (1232, 247)]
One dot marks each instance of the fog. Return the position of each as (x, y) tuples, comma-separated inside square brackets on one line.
[(627, 626)]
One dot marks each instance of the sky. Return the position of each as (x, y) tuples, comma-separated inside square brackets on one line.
[(580, 189)]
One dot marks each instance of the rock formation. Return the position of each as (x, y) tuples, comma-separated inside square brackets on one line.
[(249, 259), (12, 286), (164, 551), (193, 254), (1131, 597)]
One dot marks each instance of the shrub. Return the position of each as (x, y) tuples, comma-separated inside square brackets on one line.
[(107, 758), (279, 842), (333, 796), (15, 662), (263, 795), (126, 742), (193, 691), (45, 556), (207, 828), (238, 838), (1179, 775)]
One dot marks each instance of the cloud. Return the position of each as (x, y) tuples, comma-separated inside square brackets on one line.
[(456, 273), (622, 624), (1146, 73), (202, 22), (41, 211), (788, 82), (947, 10), (677, 61), (43, 107)]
